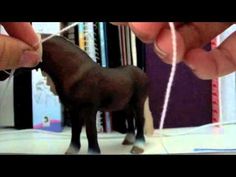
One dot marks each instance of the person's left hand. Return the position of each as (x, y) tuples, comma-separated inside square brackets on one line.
[(22, 48)]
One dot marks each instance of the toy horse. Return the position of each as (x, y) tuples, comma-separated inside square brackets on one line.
[(84, 87)]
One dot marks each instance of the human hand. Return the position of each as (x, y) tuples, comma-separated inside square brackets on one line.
[(191, 37), (22, 48)]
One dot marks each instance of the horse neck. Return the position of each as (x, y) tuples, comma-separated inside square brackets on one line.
[(62, 59)]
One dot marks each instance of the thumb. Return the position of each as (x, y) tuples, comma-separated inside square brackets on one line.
[(15, 53)]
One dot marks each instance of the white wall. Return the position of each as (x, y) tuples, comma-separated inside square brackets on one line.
[(228, 87), (45, 103), (6, 102)]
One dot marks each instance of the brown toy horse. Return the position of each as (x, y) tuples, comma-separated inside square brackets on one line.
[(84, 87)]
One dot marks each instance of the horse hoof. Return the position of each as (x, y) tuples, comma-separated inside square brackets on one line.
[(68, 153), (72, 150), (137, 150), (129, 139), (94, 152), (127, 142)]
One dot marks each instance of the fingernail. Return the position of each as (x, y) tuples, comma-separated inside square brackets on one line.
[(40, 50), (142, 34), (159, 52), (191, 67), (38, 47), (145, 31), (188, 64), (29, 59), (36, 44)]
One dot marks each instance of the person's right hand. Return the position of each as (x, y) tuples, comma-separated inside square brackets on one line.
[(191, 37)]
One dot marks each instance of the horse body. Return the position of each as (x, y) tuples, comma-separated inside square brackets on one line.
[(84, 87)]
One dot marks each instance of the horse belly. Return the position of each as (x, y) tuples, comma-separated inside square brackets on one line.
[(114, 103)]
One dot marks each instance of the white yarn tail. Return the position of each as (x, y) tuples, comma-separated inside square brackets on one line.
[(170, 82)]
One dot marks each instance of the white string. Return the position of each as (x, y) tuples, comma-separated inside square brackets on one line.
[(168, 89), (6, 72), (170, 82), (59, 32), (195, 129), (168, 92), (169, 85), (67, 135)]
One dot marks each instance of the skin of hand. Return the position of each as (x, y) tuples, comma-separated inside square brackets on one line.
[(191, 38), (22, 48)]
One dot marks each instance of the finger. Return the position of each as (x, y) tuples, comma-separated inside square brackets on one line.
[(163, 47), (119, 23), (189, 36), (22, 31), (216, 63), (146, 31), (197, 35), (15, 53), (40, 48)]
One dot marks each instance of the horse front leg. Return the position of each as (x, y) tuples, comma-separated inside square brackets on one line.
[(91, 129), (77, 122)]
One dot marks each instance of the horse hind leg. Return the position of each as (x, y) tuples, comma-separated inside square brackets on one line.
[(138, 107), (130, 136), (139, 143)]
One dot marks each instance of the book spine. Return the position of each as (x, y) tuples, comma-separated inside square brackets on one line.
[(90, 40), (133, 49), (128, 45), (81, 36), (104, 63), (102, 44)]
